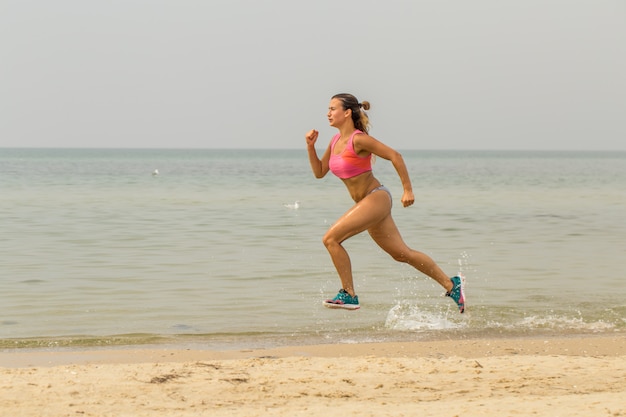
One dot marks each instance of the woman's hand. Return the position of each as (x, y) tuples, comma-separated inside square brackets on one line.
[(311, 138), (408, 198), (319, 167)]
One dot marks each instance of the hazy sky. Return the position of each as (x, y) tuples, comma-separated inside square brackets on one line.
[(458, 74)]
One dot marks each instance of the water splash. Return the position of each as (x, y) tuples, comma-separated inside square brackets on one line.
[(464, 263), (407, 317)]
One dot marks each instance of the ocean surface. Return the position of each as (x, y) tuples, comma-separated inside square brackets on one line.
[(95, 249)]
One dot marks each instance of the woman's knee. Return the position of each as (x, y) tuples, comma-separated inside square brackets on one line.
[(329, 240)]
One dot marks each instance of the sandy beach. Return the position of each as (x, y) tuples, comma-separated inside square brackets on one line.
[(578, 376)]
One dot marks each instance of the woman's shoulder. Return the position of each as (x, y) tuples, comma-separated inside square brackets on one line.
[(359, 136), (365, 142), (361, 141)]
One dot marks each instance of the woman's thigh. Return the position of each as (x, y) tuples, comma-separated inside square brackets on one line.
[(387, 236), (362, 216)]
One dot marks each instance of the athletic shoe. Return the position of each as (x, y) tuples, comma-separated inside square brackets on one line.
[(457, 292), (343, 300)]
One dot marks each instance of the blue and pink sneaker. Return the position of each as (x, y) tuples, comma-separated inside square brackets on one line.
[(457, 292), (343, 300)]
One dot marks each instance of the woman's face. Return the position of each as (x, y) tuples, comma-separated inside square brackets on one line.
[(336, 113)]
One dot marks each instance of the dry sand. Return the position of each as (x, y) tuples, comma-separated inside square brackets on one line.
[(578, 376)]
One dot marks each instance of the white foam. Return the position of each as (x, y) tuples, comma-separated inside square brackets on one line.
[(561, 323), (407, 317), (293, 206)]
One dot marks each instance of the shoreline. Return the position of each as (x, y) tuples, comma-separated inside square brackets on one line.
[(574, 376), (542, 345)]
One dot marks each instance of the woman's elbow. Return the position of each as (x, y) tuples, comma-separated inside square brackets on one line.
[(321, 172), (396, 157)]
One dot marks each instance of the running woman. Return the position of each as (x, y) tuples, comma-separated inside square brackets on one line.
[(349, 156)]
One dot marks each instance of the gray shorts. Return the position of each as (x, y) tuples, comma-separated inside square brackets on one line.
[(382, 188)]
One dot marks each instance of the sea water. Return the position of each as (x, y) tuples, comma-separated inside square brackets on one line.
[(209, 246)]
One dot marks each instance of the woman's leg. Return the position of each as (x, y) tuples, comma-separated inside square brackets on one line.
[(362, 216), (387, 236)]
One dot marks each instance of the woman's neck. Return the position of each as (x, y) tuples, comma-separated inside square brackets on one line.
[(346, 130)]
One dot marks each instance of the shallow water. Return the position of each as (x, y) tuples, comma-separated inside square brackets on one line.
[(95, 245)]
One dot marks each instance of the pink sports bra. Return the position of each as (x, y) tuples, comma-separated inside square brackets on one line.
[(348, 164)]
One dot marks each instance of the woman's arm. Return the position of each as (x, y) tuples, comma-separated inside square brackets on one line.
[(319, 167), (365, 143)]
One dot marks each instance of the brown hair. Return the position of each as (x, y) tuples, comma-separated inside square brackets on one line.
[(359, 117)]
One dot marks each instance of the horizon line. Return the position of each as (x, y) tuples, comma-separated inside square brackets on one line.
[(303, 149)]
